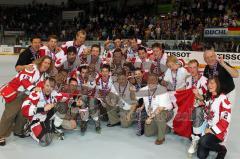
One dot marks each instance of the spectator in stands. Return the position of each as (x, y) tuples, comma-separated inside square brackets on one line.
[(108, 23)]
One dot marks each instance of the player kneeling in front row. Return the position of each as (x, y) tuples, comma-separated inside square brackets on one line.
[(124, 104), (87, 108), (83, 105), (218, 116), (158, 107), (39, 109)]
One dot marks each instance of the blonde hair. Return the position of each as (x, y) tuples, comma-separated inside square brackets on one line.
[(193, 61), (172, 59), (83, 32), (39, 62)]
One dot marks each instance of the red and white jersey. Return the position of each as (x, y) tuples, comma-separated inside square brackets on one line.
[(132, 54), (33, 106), (24, 81), (27, 79), (149, 52), (44, 50), (59, 61), (219, 116), (163, 59), (79, 49), (106, 56), (104, 86), (144, 64), (66, 65), (201, 84), (159, 65), (87, 87)]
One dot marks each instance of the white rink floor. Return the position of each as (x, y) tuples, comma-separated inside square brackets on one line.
[(114, 142)]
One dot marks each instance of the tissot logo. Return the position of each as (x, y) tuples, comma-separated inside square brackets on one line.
[(230, 56), (178, 53)]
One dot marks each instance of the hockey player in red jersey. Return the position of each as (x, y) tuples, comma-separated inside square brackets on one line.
[(38, 108), (14, 93), (78, 43)]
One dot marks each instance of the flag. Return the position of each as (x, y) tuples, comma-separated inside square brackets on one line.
[(182, 124)]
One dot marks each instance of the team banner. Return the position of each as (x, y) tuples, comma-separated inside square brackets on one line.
[(222, 32)]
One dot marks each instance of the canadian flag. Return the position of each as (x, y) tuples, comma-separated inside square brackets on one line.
[(183, 101)]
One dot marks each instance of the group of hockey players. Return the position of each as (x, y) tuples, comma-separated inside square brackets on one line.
[(123, 82)]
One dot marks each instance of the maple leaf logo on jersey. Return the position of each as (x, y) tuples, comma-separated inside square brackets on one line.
[(227, 101), (209, 113), (58, 61)]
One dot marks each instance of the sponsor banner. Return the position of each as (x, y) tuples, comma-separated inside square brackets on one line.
[(232, 58), (186, 56), (215, 32), (6, 50), (14, 33), (169, 42), (69, 15), (19, 49), (222, 32)]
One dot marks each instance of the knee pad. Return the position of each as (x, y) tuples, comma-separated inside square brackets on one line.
[(57, 121)]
